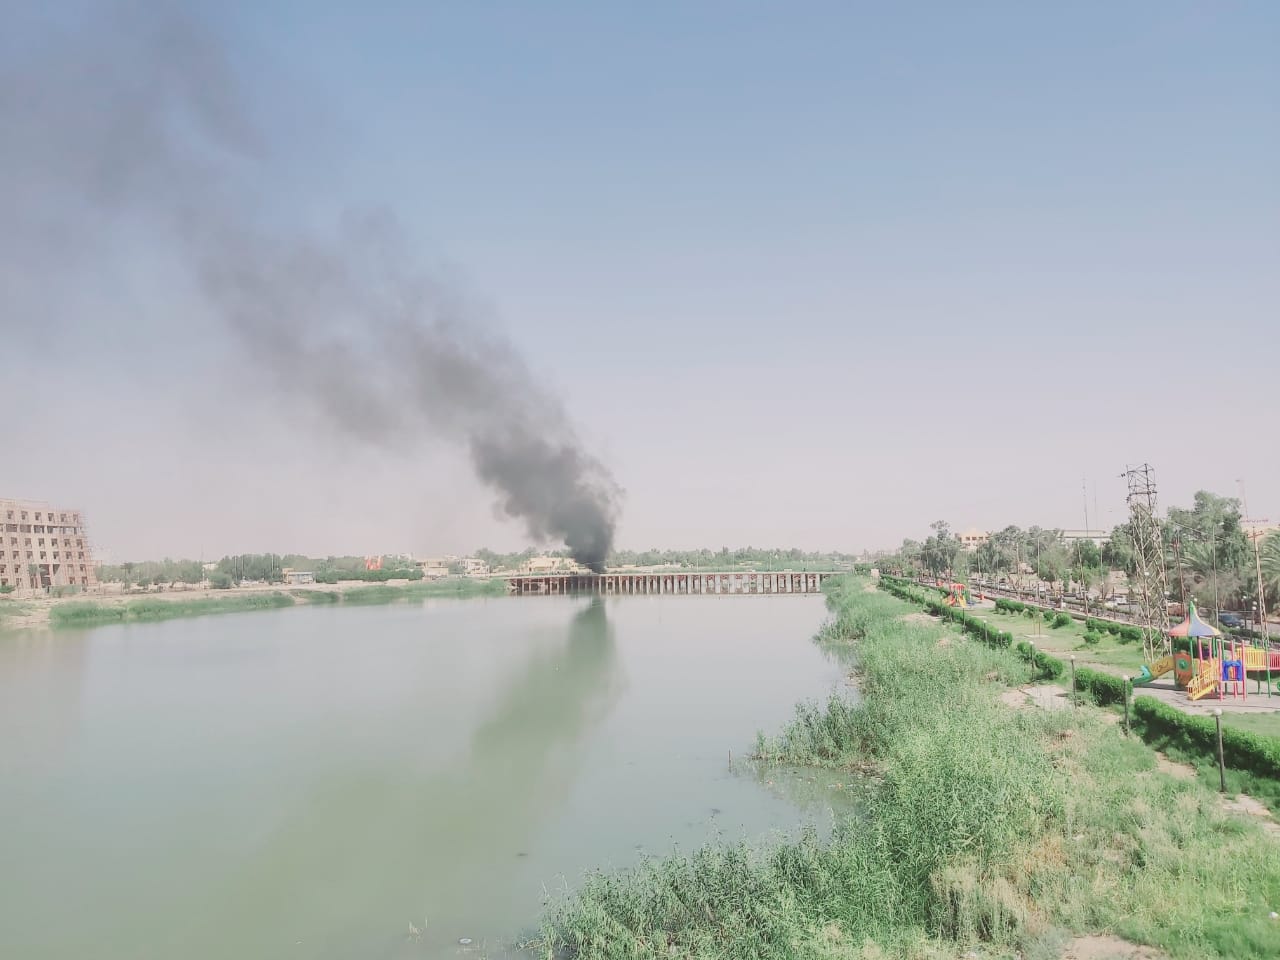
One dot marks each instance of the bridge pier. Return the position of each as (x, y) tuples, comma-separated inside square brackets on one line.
[(736, 583)]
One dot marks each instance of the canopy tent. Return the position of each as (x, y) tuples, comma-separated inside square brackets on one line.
[(1193, 626)]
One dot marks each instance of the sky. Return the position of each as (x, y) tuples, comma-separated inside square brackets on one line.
[(799, 274)]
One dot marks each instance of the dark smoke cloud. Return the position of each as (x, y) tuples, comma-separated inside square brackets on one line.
[(133, 115)]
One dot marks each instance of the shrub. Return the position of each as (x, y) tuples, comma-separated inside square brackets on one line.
[(1061, 619), (1129, 633), (1092, 638), (6, 588), (1102, 688), (1045, 665), (220, 581)]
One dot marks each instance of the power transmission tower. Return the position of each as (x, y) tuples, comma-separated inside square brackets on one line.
[(1152, 580)]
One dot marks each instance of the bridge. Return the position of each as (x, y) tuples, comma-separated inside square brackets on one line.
[(710, 583)]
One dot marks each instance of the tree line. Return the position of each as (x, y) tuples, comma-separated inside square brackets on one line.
[(1207, 553), (270, 567)]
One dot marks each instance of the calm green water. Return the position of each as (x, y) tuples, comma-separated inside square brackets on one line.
[(310, 782)]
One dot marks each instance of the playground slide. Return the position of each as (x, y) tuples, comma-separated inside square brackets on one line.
[(1150, 671)]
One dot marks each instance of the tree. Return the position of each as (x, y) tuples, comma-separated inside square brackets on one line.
[(1118, 552), (939, 551), (1000, 553), (1269, 558)]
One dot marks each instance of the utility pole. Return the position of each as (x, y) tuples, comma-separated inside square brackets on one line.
[(1262, 595), (1149, 548), (1088, 535)]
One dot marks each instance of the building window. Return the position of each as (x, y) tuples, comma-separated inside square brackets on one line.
[(42, 556)]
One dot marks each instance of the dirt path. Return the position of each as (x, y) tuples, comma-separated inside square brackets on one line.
[(1106, 947)]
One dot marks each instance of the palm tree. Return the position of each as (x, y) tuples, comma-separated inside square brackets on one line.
[(1269, 557)]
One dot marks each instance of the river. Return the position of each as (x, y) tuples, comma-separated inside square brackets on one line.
[(377, 782)]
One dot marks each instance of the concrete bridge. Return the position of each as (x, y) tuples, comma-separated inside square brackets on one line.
[(710, 583)]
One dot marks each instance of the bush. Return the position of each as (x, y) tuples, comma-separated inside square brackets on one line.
[(220, 581), (1046, 666), (1092, 638), (1061, 619), (1128, 633), (6, 588), (1164, 726), (1102, 688)]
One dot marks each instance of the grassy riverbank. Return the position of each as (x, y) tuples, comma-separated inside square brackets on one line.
[(87, 613), (1001, 829)]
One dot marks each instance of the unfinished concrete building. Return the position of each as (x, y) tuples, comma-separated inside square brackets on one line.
[(42, 547)]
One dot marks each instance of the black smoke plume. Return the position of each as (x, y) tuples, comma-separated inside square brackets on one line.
[(131, 115)]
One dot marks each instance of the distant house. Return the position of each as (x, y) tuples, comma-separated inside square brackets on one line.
[(296, 577), (973, 538), (474, 567), (433, 568), (549, 565)]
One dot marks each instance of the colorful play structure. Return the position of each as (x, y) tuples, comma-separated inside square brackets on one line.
[(1211, 664), (957, 595)]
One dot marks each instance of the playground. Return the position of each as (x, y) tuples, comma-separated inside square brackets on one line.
[(1249, 709), (1201, 667)]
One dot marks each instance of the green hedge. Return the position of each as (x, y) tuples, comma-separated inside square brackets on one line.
[(1046, 666), (1103, 688), (1162, 726)]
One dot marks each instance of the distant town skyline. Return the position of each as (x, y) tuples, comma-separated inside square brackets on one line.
[(808, 276)]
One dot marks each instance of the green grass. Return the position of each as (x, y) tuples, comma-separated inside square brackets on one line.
[(1267, 724), (987, 827), (11, 608), (452, 587), (87, 613), (90, 613), (1110, 651)]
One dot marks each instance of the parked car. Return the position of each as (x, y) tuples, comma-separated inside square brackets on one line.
[(1231, 620)]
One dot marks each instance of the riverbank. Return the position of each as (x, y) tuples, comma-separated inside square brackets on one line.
[(990, 827), (76, 612)]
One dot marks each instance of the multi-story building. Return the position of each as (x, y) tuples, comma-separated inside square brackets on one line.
[(43, 546)]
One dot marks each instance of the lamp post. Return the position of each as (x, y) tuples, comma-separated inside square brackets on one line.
[(1222, 766)]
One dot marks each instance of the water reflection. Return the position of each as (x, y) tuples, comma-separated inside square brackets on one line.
[(439, 846), (482, 811)]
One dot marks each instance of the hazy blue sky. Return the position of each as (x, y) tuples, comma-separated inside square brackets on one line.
[(806, 274)]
